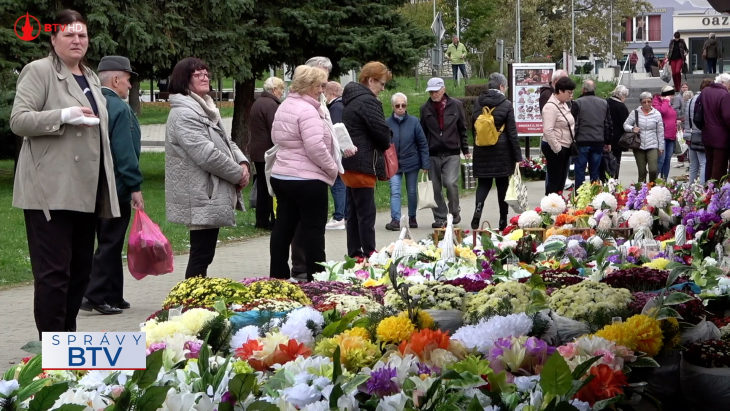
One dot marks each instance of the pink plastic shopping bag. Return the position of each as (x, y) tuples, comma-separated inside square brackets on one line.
[(149, 251)]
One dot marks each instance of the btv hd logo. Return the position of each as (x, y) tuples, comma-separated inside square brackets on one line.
[(28, 27), (94, 351)]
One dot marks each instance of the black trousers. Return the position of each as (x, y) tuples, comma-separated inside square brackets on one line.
[(106, 284), (557, 168), (202, 251), (300, 205), (361, 222), (61, 254), (485, 185), (618, 153), (298, 252), (264, 202)]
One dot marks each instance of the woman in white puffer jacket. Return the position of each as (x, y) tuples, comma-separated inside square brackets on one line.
[(651, 129)]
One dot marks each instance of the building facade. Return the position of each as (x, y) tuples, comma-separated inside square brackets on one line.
[(694, 19)]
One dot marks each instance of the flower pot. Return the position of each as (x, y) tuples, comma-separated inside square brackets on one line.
[(664, 382), (447, 320), (705, 388)]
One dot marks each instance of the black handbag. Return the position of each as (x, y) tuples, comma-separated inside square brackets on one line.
[(695, 139), (574, 152), (631, 140), (609, 166)]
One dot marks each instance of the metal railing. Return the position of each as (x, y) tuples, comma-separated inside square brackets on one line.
[(621, 75)]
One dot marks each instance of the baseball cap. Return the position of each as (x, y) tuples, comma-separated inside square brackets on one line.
[(435, 84), (115, 63)]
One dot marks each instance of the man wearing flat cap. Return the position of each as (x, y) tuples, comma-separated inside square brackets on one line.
[(105, 290)]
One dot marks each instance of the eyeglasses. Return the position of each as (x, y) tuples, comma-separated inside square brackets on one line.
[(381, 83), (400, 105), (646, 102), (201, 76)]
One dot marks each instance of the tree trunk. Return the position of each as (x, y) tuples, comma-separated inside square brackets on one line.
[(134, 100), (241, 111)]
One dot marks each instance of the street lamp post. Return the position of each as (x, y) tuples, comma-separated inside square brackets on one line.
[(572, 28), (610, 38), (518, 42)]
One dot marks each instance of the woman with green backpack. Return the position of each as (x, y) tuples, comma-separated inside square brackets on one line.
[(496, 147)]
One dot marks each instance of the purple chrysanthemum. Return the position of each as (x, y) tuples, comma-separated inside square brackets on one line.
[(381, 382)]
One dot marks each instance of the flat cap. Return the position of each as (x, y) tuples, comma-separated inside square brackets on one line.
[(115, 63)]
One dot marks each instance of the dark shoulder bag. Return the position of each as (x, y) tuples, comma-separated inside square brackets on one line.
[(695, 143), (573, 147), (699, 112), (631, 140)]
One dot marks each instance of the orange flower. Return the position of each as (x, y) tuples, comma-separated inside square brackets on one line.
[(287, 352), (425, 341), (564, 219), (246, 350), (606, 384)]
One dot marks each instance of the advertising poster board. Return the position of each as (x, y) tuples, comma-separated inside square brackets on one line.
[(525, 80)]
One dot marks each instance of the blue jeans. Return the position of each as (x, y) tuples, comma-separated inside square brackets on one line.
[(339, 195), (395, 199), (455, 68), (664, 163), (697, 164), (592, 157)]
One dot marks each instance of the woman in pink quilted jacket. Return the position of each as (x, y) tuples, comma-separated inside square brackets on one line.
[(663, 103), (302, 173)]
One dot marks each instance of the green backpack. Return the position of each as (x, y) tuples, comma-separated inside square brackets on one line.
[(486, 131)]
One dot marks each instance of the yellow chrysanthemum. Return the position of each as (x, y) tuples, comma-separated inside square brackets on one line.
[(374, 283), (671, 333), (648, 333), (357, 332), (620, 334), (355, 351), (395, 329), (425, 321), (658, 264)]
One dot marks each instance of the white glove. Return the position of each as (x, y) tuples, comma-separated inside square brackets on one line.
[(76, 117)]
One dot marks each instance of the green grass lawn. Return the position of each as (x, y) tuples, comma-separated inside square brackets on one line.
[(14, 260)]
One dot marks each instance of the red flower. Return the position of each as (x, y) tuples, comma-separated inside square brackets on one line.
[(509, 229), (425, 340), (514, 220), (288, 352), (606, 384), (538, 210)]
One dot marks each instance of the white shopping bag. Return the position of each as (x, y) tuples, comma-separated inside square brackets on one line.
[(517, 192), (426, 197)]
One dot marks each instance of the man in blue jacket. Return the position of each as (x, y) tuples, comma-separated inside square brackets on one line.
[(105, 290), (412, 149)]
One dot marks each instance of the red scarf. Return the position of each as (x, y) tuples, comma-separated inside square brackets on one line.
[(439, 106)]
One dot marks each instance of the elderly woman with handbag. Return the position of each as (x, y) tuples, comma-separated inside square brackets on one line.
[(65, 173), (204, 170), (647, 123)]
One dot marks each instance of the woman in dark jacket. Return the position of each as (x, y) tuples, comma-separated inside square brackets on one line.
[(619, 113), (363, 116), (412, 149), (495, 163), (259, 127)]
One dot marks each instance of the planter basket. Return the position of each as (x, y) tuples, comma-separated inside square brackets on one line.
[(705, 388), (538, 232), (479, 232)]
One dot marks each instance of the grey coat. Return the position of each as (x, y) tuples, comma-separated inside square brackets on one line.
[(652, 128), (202, 168)]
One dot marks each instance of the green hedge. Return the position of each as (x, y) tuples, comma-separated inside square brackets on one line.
[(474, 90)]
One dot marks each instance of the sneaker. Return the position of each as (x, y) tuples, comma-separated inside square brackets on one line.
[(438, 224), (333, 224), (679, 165), (412, 223), (393, 225)]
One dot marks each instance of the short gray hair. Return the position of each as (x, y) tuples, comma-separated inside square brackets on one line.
[(320, 62), (687, 95), (105, 77), (496, 80), (558, 75), (396, 95), (645, 95), (273, 83), (620, 91), (723, 78), (589, 86), (712, 35)]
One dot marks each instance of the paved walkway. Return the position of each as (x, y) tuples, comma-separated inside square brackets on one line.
[(237, 261)]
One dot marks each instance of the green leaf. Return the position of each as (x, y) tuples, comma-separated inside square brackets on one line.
[(677, 298), (467, 380), (349, 263), (30, 370), (355, 382), (601, 405), (583, 367), (222, 371), (204, 357), (47, 396), (565, 406), (125, 399), (451, 375), (28, 390), (241, 385), (148, 376), (111, 378), (10, 373), (337, 368), (677, 270), (262, 406), (667, 312), (71, 407), (645, 362), (152, 398), (335, 395), (578, 384), (474, 405), (225, 406), (340, 325), (555, 377), (499, 383), (33, 347)]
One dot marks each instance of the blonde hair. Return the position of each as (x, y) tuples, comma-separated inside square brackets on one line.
[(274, 83), (376, 70), (687, 95), (305, 77)]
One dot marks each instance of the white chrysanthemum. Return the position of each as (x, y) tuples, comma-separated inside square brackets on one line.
[(725, 216), (296, 324), (529, 219), (250, 332), (659, 196), (605, 199), (483, 335), (596, 241), (606, 222), (641, 218), (553, 204)]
